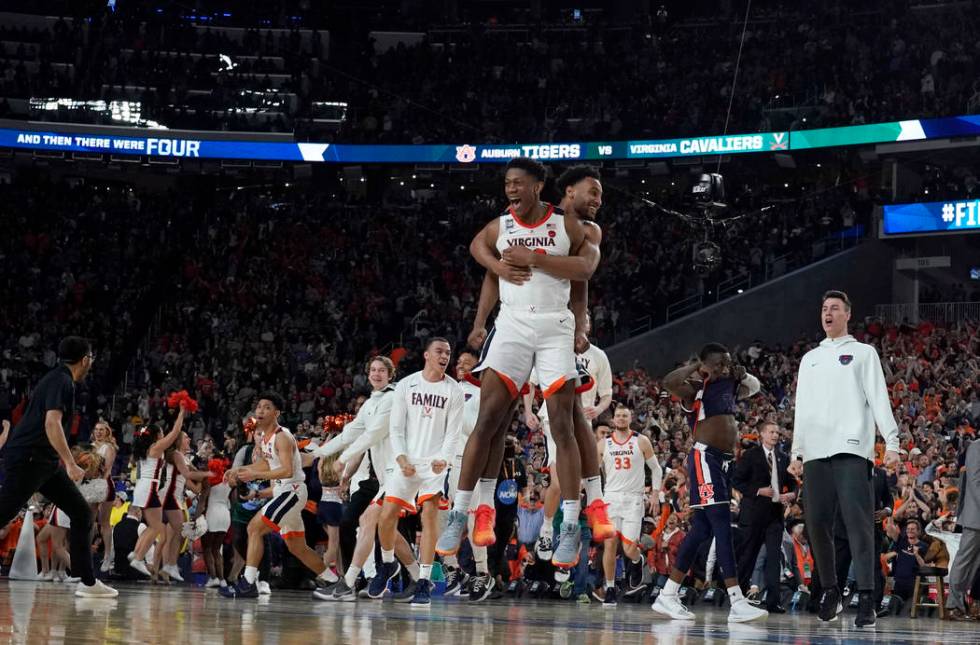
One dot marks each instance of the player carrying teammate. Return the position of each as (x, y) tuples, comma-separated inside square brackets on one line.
[(533, 328), (711, 402), (426, 421)]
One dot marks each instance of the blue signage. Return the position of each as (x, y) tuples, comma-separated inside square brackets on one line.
[(932, 217)]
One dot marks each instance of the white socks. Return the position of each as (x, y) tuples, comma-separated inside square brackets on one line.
[(425, 572), (351, 576), (570, 510), (462, 500), (486, 488), (480, 560), (387, 556), (414, 570), (610, 584), (548, 527), (672, 588), (593, 489), (735, 594), (451, 561), (251, 574)]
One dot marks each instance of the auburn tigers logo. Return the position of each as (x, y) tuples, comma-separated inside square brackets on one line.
[(465, 153), (706, 492)]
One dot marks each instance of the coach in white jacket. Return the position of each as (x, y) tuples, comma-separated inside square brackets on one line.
[(840, 398)]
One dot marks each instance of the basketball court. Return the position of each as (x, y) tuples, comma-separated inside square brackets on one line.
[(36, 612)]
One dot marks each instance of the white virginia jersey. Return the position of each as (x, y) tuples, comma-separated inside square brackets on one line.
[(471, 411), (595, 363), (624, 464), (426, 419), (271, 455), (547, 237)]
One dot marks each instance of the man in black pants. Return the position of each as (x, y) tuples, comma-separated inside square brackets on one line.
[(32, 453), (760, 475), (883, 509), (512, 479), (840, 398)]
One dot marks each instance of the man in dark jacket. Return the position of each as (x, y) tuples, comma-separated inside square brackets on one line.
[(766, 487)]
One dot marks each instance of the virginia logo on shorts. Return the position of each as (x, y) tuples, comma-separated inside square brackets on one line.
[(465, 153), (706, 492), (845, 359)]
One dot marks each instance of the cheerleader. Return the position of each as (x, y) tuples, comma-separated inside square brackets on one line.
[(217, 497), (52, 542), (330, 509), (179, 477), (105, 446), (148, 449)]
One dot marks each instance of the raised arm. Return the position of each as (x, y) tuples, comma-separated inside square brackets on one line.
[(161, 445), (677, 382)]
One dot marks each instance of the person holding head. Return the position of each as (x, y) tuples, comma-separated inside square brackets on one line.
[(33, 451), (841, 397), (278, 460), (709, 389), (426, 421)]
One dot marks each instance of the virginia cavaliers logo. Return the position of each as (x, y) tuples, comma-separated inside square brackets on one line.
[(706, 492), (427, 410), (845, 359), (465, 154)]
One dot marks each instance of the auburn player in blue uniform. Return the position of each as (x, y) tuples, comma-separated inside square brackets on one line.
[(709, 389)]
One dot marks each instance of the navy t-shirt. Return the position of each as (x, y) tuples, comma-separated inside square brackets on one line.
[(55, 391), (905, 564)]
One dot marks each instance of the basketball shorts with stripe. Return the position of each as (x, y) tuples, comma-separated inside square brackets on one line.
[(284, 512), (520, 340), (708, 474)]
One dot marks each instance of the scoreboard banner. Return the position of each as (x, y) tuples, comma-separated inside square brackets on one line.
[(198, 145), (932, 217)]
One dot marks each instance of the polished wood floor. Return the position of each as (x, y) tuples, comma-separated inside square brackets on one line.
[(38, 612)]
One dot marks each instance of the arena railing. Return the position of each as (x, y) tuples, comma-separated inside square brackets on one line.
[(941, 312)]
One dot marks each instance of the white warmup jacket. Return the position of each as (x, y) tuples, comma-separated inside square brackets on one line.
[(373, 415), (840, 397)]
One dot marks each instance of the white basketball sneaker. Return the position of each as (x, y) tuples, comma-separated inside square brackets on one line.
[(670, 605)]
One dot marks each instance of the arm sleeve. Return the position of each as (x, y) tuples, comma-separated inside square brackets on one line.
[(454, 425), (656, 473), (347, 436), (752, 384), (398, 420), (376, 432), (873, 380)]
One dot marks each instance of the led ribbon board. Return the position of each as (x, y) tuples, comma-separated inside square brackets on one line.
[(932, 217), (162, 143)]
